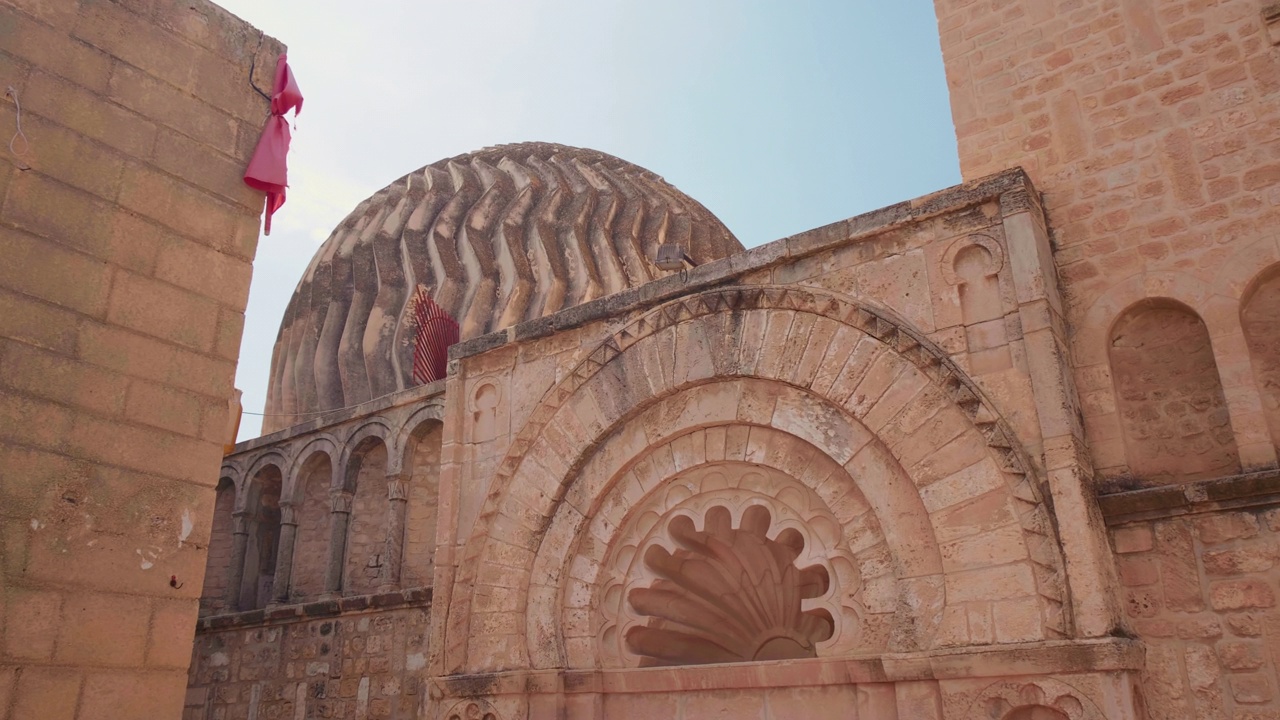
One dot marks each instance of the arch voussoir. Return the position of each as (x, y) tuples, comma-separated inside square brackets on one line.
[(895, 400)]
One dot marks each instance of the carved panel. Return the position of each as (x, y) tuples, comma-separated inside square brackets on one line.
[(728, 562), (1043, 699), (728, 594)]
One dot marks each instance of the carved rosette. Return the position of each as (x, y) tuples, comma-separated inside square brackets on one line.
[(729, 562)]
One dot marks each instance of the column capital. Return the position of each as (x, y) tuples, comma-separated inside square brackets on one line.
[(288, 514), (240, 522), (397, 489), (340, 501)]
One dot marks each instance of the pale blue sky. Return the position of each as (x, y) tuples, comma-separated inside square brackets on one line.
[(779, 117)]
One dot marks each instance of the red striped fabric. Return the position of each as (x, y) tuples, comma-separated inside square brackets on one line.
[(436, 332)]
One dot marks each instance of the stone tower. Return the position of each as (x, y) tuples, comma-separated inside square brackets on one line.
[(1152, 129)]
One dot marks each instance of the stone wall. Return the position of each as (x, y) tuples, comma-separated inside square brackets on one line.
[(311, 553), (127, 238), (1150, 126), (1200, 580), (356, 510), (358, 659), (367, 532)]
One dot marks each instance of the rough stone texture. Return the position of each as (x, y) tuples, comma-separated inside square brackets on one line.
[(358, 665), (1148, 126), (1261, 320), (497, 237), (127, 250), (1202, 595), (1172, 410), (311, 549), (366, 535), (214, 597), (423, 471)]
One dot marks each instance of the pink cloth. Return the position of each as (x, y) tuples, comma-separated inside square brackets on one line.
[(268, 170)]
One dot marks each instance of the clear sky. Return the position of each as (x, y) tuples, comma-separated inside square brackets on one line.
[(777, 116)]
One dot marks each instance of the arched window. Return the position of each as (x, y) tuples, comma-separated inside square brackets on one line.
[(1173, 413)]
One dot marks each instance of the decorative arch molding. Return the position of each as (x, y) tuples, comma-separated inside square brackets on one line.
[(639, 365), (994, 248), (849, 476), (324, 445), (271, 458), (231, 471), (374, 429), (424, 414), (1091, 337), (1240, 273), (1013, 699), (433, 413)]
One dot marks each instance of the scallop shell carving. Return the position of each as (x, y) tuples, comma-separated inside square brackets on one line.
[(728, 595)]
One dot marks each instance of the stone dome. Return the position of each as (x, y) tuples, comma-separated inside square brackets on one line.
[(497, 237)]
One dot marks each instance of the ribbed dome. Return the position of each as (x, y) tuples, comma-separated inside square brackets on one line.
[(497, 237)]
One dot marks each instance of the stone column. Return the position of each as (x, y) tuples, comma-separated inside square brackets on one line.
[(284, 554), (340, 502), (235, 573), (398, 503)]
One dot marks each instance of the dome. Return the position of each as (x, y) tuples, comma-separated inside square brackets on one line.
[(496, 237)]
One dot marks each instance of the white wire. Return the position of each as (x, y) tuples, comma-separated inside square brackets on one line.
[(9, 92)]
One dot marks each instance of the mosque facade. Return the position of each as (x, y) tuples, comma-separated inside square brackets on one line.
[(1005, 451)]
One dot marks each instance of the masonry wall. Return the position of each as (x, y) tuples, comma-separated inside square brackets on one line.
[(1152, 128), (127, 237), (353, 664), (1200, 588)]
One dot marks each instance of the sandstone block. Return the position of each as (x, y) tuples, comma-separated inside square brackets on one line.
[(53, 274), (85, 112), (31, 623), (1220, 528), (1241, 594), (101, 629), (1251, 688), (115, 694), (1133, 539), (47, 694)]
